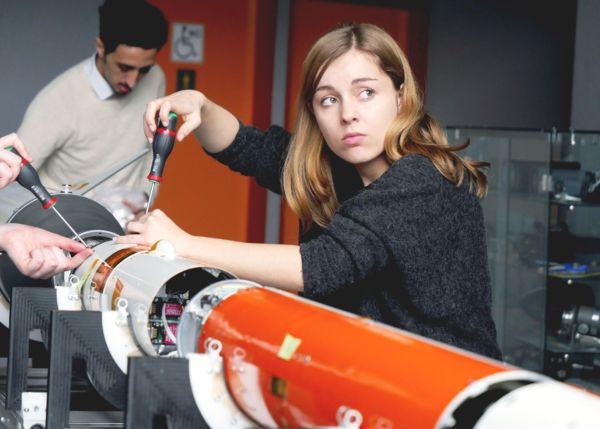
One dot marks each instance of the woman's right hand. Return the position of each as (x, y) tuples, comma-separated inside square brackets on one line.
[(155, 226), (188, 104)]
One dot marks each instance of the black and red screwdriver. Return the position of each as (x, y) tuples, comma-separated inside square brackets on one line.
[(162, 145), (29, 179)]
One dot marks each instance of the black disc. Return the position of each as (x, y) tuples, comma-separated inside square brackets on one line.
[(82, 214)]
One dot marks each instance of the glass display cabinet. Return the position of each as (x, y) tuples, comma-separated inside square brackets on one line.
[(573, 274), (542, 214)]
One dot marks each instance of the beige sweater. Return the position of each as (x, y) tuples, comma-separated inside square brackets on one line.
[(73, 136)]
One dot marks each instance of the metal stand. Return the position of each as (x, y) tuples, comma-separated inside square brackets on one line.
[(30, 309), (161, 387), (78, 335)]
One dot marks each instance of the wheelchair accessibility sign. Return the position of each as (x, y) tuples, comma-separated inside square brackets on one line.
[(187, 43)]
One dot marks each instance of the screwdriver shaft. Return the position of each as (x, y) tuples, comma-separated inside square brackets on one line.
[(150, 197), (69, 226)]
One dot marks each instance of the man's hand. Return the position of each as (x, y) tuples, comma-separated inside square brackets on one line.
[(38, 253)]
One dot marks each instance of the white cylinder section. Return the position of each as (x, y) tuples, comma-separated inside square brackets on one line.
[(154, 285), (543, 405)]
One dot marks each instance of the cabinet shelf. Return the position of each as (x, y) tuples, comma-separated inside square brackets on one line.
[(589, 278), (561, 202), (556, 344)]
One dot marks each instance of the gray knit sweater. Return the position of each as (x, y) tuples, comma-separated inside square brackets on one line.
[(408, 250)]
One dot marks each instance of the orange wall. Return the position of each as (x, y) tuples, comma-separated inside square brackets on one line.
[(309, 20), (199, 194)]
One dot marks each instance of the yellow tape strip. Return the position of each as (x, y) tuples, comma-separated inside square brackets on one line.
[(288, 347)]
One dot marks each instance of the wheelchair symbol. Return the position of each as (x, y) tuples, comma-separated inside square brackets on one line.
[(184, 48)]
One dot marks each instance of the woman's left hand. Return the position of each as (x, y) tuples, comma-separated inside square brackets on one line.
[(153, 227)]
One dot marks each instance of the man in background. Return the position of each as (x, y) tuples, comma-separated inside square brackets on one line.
[(87, 119)]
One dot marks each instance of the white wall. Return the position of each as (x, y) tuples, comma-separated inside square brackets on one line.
[(38, 40), (585, 114), (501, 63), (497, 63)]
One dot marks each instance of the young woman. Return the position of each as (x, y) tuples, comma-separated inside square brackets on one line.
[(392, 228)]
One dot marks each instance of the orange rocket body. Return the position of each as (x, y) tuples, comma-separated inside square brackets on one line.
[(290, 362)]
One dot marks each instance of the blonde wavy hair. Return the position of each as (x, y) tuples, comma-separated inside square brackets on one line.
[(307, 178)]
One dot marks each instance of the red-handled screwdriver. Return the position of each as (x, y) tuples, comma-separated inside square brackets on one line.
[(29, 179), (162, 145)]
